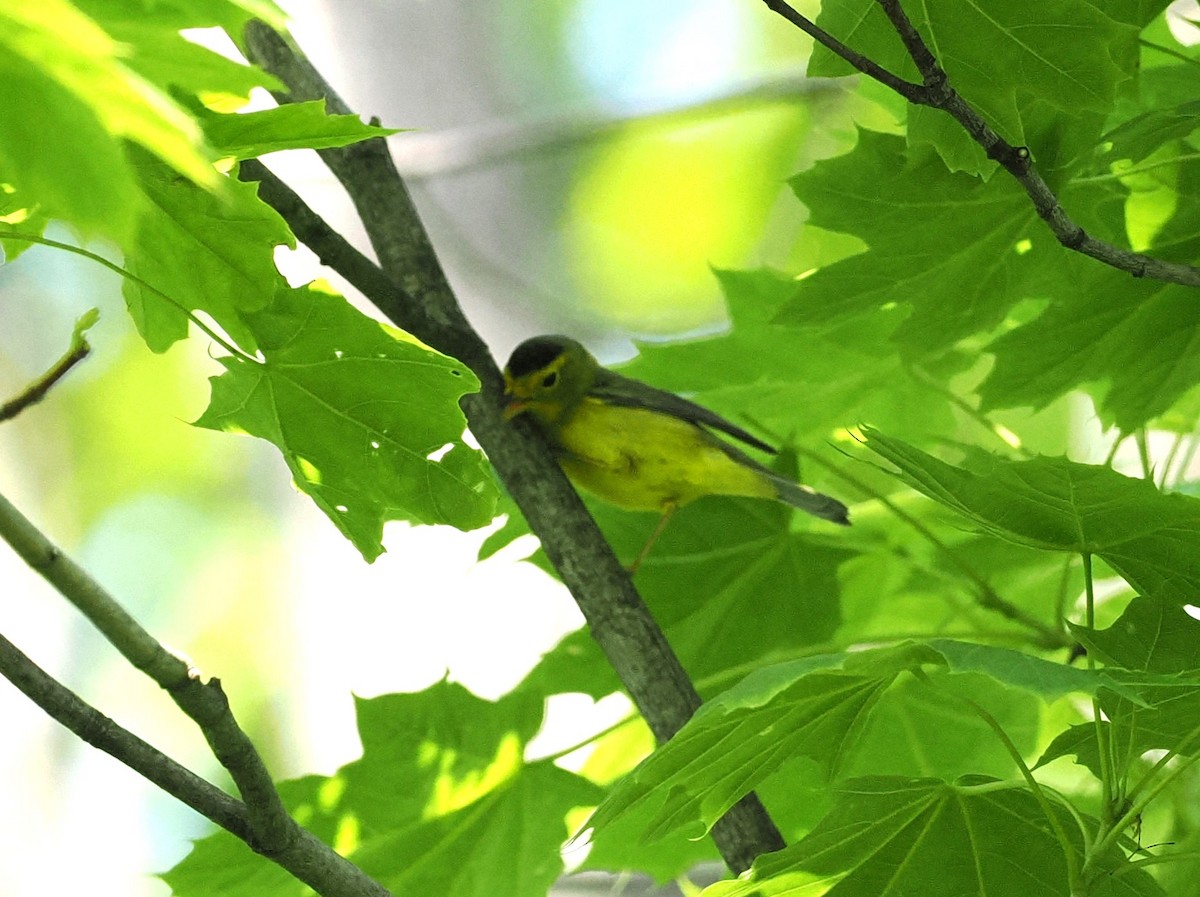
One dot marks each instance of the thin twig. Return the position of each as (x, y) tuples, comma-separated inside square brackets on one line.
[(1017, 161), (936, 92), (36, 391), (203, 702), (337, 253)]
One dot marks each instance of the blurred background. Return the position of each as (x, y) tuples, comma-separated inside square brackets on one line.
[(582, 166)]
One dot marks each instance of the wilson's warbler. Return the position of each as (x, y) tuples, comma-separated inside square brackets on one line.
[(636, 446)]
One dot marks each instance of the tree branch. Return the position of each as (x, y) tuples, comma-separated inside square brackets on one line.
[(908, 90), (937, 93), (92, 726), (420, 300), (260, 819)]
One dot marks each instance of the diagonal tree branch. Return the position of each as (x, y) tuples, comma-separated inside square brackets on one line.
[(473, 147), (937, 93), (307, 857), (617, 617), (260, 819), (92, 726)]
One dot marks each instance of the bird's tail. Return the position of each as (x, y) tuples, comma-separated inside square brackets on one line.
[(815, 503)]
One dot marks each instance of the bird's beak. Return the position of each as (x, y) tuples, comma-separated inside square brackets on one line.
[(513, 408), (515, 403)]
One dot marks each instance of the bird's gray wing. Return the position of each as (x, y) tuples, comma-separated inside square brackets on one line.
[(621, 390)]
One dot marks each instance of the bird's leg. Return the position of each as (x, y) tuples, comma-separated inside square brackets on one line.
[(668, 510)]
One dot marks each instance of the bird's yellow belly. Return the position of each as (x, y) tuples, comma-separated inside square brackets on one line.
[(644, 460)]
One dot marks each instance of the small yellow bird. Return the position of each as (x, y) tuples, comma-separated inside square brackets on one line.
[(636, 446)]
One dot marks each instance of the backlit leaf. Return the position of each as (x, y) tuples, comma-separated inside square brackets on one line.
[(904, 837), (815, 708), (294, 126), (367, 419), (999, 55), (208, 253), (945, 245), (1150, 538), (439, 803)]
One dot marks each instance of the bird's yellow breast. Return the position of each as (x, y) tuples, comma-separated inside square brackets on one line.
[(646, 460)]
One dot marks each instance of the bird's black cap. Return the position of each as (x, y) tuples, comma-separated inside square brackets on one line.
[(534, 354)]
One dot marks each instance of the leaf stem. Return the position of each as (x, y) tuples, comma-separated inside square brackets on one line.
[(1135, 169), (1188, 457), (1153, 860), (1002, 433), (1112, 452), (584, 742), (1104, 746), (986, 596), (1142, 795), (36, 391), (1169, 463), (1143, 447), (1064, 585), (1069, 856), (1169, 51), (133, 278), (714, 681), (990, 787), (1138, 799)]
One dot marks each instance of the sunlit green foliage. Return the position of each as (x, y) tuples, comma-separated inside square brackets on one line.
[(441, 802), (367, 420), (895, 692), (205, 243)]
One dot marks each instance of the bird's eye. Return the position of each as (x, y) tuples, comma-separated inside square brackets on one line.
[(550, 379)]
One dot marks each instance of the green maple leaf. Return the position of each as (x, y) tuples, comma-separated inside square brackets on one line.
[(1155, 637), (800, 383), (367, 419), (1150, 538), (75, 52), (294, 126), (441, 802), (154, 46), (69, 99), (947, 246), (208, 253), (888, 836), (815, 707)]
